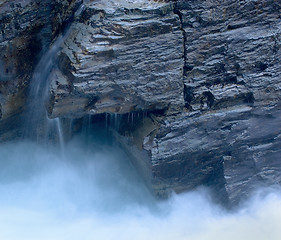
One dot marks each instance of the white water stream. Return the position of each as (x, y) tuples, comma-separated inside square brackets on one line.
[(91, 192), (37, 125)]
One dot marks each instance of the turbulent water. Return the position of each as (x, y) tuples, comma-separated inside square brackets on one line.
[(92, 192), (89, 191)]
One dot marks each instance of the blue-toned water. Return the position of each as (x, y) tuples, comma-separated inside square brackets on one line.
[(92, 192), (86, 189)]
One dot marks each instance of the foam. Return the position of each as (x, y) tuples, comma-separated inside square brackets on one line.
[(94, 193)]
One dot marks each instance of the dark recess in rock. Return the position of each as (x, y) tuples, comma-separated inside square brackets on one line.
[(207, 97), (188, 96), (261, 66), (192, 88)]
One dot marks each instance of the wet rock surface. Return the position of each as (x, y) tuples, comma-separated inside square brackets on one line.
[(27, 28), (232, 52), (235, 150), (120, 57), (228, 135), (193, 86), (232, 60)]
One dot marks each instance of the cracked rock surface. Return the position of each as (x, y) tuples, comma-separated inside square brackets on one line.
[(120, 57), (200, 79), (196, 85), (27, 28)]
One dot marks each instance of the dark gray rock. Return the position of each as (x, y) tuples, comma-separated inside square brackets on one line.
[(120, 57), (233, 59), (232, 52), (235, 150), (196, 85), (228, 137), (27, 28)]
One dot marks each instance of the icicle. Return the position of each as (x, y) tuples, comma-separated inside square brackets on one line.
[(89, 126), (70, 128), (132, 117), (115, 121)]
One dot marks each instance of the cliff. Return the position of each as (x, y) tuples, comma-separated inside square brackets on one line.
[(27, 29), (194, 88)]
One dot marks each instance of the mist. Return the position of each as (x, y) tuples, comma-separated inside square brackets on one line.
[(91, 191)]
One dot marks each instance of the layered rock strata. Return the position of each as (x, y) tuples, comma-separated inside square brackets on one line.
[(193, 87), (120, 59), (232, 78), (201, 79), (27, 28)]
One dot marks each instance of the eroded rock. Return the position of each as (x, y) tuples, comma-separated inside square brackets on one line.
[(120, 57), (235, 150), (27, 28), (196, 85), (229, 133)]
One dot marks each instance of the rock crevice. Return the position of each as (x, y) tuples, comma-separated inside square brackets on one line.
[(27, 29), (195, 84)]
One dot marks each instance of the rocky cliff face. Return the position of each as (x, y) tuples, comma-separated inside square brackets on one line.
[(232, 86), (200, 78), (120, 59), (27, 28), (194, 88)]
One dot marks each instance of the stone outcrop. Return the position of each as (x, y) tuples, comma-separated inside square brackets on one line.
[(196, 85), (27, 28), (234, 150), (192, 87), (232, 77), (231, 53), (119, 59)]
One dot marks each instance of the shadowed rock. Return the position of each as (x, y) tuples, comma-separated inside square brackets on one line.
[(27, 28), (195, 84), (120, 57)]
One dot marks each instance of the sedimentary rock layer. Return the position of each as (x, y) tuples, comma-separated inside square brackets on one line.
[(196, 84), (235, 150), (207, 73), (232, 52), (119, 59), (27, 28)]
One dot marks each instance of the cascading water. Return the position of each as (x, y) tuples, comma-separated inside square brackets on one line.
[(36, 123), (92, 192)]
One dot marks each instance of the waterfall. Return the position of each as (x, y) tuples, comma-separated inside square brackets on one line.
[(60, 134), (87, 189), (37, 125)]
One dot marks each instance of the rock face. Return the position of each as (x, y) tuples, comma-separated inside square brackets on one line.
[(198, 84), (120, 59), (27, 28), (193, 86), (232, 53), (232, 81)]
